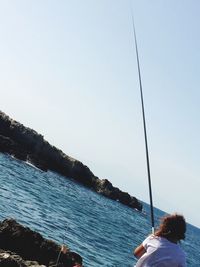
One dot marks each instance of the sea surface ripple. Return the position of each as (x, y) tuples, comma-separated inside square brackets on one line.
[(102, 231)]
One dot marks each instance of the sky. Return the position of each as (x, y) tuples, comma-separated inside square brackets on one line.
[(68, 70)]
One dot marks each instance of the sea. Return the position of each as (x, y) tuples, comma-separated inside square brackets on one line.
[(104, 232)]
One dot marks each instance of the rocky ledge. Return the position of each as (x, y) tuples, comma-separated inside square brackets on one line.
[(22, 247), (26, 144)]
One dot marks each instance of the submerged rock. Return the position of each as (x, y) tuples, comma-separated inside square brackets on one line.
[(26, 144), (22, 247)]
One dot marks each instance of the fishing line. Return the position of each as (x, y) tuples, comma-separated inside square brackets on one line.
[(59, 254), (144, 124), (58, 258)]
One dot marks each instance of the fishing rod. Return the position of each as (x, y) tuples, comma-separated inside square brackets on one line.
[(144, 126)]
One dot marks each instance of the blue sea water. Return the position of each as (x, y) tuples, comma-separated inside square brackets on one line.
[(102, 231)]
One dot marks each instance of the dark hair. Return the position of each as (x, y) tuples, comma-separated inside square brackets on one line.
[(172, 226), (76, 257)]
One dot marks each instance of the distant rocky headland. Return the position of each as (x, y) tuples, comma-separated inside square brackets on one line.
[(27, 145), (22, 247)]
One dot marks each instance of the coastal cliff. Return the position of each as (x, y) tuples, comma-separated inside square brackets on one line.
[(22, 247), (27, 145)]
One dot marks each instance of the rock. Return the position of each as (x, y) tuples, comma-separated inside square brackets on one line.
[(26, 144), (20, 246), (33, 264), (11, 259), (107, 189)]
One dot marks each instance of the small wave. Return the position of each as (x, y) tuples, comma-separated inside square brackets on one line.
[(31, 164), (101, 230)]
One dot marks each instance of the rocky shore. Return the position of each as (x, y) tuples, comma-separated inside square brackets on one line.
[(22, 247), (26, 144)]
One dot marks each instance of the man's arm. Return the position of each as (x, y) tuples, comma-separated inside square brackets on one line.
[(139, 251)]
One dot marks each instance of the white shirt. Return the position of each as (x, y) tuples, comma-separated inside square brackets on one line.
[(161, 253)]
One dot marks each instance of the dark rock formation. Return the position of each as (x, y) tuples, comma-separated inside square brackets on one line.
[(26, 144), (22, 247), (11, 259)]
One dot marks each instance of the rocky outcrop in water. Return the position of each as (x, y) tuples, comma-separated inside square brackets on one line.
[(22, 247), (26, 144)]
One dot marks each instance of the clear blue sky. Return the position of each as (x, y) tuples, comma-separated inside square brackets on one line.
[(68, 70)]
